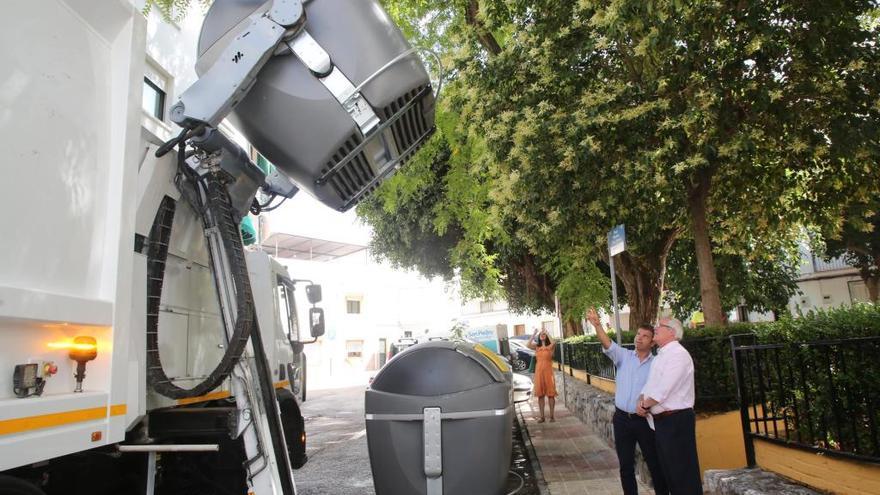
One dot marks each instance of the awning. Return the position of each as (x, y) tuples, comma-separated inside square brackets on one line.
[(307, 248)]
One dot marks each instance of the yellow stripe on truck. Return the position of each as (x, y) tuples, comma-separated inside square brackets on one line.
[(223, 394), (202, 398), (41, 421)]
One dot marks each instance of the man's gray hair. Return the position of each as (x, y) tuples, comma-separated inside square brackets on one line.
[(675, 325)]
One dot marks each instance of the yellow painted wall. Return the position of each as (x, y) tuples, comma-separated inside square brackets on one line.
[(603, 384), (720, 443), (819, 471)]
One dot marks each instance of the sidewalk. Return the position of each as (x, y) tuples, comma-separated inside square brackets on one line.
[(574, 460)]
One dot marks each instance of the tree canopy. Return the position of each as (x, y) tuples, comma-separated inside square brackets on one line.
[(704, 123)]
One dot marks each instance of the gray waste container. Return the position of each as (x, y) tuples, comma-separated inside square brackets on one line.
[(439, 418)]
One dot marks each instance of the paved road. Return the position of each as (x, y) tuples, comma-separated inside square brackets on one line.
[(337, 445)]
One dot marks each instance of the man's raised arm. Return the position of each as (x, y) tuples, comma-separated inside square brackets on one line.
[(593, 318)]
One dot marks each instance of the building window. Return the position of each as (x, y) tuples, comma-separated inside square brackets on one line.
[(154, 99), (354, 348), (858, 291), (486, 306), (353, 306)]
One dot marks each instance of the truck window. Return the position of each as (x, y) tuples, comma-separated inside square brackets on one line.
[(287, 309)]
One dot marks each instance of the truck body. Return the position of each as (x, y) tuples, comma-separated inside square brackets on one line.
[(145, 348), (81, 183)]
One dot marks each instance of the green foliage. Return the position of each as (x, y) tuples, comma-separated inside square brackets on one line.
[(174, 10), (758, 280), (858, 320), (589, 114)]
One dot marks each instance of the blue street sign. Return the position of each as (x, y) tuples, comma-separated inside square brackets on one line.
[(617, 240)]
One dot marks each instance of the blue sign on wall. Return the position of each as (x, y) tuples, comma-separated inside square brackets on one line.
[(483, 335)]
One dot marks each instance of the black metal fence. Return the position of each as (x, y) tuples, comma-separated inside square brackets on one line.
[(714, 372), (821, 396), (588, 356)]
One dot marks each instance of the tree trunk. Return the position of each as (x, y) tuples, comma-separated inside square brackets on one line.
[(873, 285), (871, 276), (710, 294), (484, 36), (569, 328), (643, 279), (647, 306)]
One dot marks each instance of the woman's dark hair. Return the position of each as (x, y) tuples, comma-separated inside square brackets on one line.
[(541, 340)]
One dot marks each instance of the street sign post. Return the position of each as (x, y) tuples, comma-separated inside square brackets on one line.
[(616, 245)]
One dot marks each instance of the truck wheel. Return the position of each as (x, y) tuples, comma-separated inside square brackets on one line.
[(16, 486), (294, 428)]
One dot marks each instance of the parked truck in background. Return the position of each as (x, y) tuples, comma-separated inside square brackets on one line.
[(145, 348)]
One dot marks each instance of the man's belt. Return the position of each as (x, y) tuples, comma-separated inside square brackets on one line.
[(665, 414), (628, 414)]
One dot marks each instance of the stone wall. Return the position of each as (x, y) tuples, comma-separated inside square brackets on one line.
[(749, 482), (596, 408)]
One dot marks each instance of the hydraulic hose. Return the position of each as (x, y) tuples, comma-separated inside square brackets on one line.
[(217, 213)]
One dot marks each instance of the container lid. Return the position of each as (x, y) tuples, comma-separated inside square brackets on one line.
[(437, 368)]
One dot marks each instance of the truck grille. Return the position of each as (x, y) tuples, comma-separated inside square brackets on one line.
[(349, 180), (411, 127), (349, 172)]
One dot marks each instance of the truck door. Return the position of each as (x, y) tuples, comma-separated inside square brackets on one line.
[(290, 340)]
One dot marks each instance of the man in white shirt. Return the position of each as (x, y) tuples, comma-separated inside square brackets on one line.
[(668, 397)]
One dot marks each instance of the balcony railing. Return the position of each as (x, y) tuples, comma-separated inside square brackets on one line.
[(820, 265)]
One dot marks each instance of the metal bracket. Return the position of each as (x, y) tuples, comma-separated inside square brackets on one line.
[(318, 62), (210, 99)]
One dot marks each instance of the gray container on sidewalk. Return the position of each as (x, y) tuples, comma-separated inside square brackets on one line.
[(439, 418)]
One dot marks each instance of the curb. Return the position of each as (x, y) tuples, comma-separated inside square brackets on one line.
[(533, 456)]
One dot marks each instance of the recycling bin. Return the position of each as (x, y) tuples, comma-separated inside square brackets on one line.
[(439, 418)]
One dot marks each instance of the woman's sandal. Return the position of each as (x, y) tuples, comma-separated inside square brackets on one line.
[(552, 420), (540, 420)]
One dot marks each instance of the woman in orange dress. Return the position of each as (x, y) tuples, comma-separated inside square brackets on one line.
[(545, 384)]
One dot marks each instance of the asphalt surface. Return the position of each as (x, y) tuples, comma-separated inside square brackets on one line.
[(337, 444)]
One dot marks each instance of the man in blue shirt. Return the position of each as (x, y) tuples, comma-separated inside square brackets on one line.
[(633, 367)]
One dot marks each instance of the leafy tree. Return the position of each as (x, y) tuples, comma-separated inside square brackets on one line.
[(174, 10), (697, 119), (762, 284)]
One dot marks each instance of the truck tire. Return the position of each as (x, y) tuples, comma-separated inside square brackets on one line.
[(294, 428), (16, 486)]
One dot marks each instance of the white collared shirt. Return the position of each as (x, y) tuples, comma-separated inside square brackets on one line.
[(671, 380)]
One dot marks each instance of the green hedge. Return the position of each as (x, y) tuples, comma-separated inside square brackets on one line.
[(859, 320), (710, 349)]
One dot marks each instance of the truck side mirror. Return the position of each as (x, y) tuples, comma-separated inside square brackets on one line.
[(313, 292), (316, 320)]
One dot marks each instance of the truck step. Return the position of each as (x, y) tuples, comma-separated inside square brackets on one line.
[(193, 422)]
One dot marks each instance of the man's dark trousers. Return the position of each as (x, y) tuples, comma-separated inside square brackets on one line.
[(677, 448), (630, 429)]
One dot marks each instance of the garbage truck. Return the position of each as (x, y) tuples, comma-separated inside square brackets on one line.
[(145, 348)]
